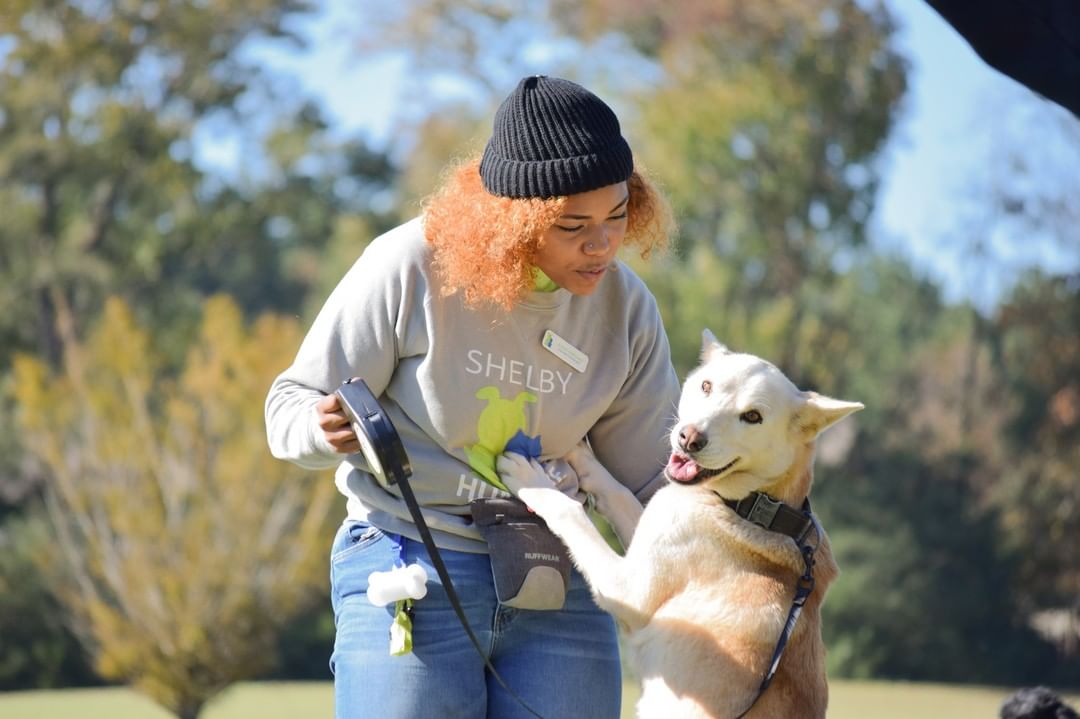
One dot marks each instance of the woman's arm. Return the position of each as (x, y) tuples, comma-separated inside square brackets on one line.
[(631, 439), (356, 334)]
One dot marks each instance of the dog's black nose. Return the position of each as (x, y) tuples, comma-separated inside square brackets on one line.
[(692, 440)]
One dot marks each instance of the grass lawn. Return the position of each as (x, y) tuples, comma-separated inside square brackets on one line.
[(295, 700)]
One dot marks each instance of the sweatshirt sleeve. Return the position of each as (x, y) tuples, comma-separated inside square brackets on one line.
[(355, 334), (631, 439)]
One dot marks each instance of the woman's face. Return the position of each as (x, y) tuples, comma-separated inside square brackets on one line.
[(578, 249)]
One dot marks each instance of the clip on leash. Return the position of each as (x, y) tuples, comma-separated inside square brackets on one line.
[(385, 455)]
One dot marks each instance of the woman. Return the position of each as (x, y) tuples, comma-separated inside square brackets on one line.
[(498, 320)]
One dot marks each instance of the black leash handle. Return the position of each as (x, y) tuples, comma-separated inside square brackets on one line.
[(377, 436)]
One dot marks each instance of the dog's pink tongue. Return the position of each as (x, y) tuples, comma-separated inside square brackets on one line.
[(681, 468)]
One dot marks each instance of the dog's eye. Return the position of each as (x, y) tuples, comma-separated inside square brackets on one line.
[(706, 387), (751, 417)]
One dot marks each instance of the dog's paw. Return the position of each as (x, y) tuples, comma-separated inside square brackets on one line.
[(547, 502), (581, 454), (583, 461), (528, 481), (593, 477), (518, 473)]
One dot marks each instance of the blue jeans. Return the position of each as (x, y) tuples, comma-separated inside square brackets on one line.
[(564, 664)]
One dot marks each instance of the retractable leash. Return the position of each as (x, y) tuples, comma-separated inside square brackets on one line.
[(385, 455)]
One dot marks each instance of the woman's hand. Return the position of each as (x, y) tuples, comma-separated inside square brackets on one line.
[(335, 425)]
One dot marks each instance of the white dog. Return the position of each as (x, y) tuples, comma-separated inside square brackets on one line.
[(704, 590)]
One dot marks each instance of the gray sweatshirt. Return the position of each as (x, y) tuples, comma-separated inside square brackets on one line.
[(461, 384)]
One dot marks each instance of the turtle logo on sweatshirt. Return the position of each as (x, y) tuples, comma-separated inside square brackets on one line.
[(501, 427)]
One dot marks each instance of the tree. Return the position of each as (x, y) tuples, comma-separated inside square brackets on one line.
[(106, 107), (763, 132), (37, 651), (1013, 235), (182, 544), (926, 576), (1036, 328), (108, 113), (100, 103)]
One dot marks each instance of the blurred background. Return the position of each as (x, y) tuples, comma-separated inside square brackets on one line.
[(861, 199)]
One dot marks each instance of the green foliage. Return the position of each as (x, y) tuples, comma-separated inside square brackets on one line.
[(101, 107), (925, 577), (99, 104), (305, 645), (105, 108), (1039, 354), (762, 133), (37, 649), (182, 545)]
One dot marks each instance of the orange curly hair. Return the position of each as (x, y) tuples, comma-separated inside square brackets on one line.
[(485, 246)]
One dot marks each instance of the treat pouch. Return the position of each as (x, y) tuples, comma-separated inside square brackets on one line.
[(530, 565)]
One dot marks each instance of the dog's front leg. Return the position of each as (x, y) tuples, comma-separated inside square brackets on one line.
[(602, 568), (613, 500)]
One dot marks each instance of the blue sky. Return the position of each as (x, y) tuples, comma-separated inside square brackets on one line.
[(957, 108), (940, 143)]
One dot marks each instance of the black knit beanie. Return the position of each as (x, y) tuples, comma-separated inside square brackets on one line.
[(553, 137)]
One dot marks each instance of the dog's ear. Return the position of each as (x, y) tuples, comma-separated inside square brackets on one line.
[(819, 412), (710, 346)]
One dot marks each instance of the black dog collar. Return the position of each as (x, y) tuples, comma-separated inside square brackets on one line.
[(764, 511)]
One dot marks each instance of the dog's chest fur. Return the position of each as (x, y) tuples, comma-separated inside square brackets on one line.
[(721, 589), (700, 547)]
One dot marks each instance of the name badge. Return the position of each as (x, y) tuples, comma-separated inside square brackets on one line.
[(565, 351)]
